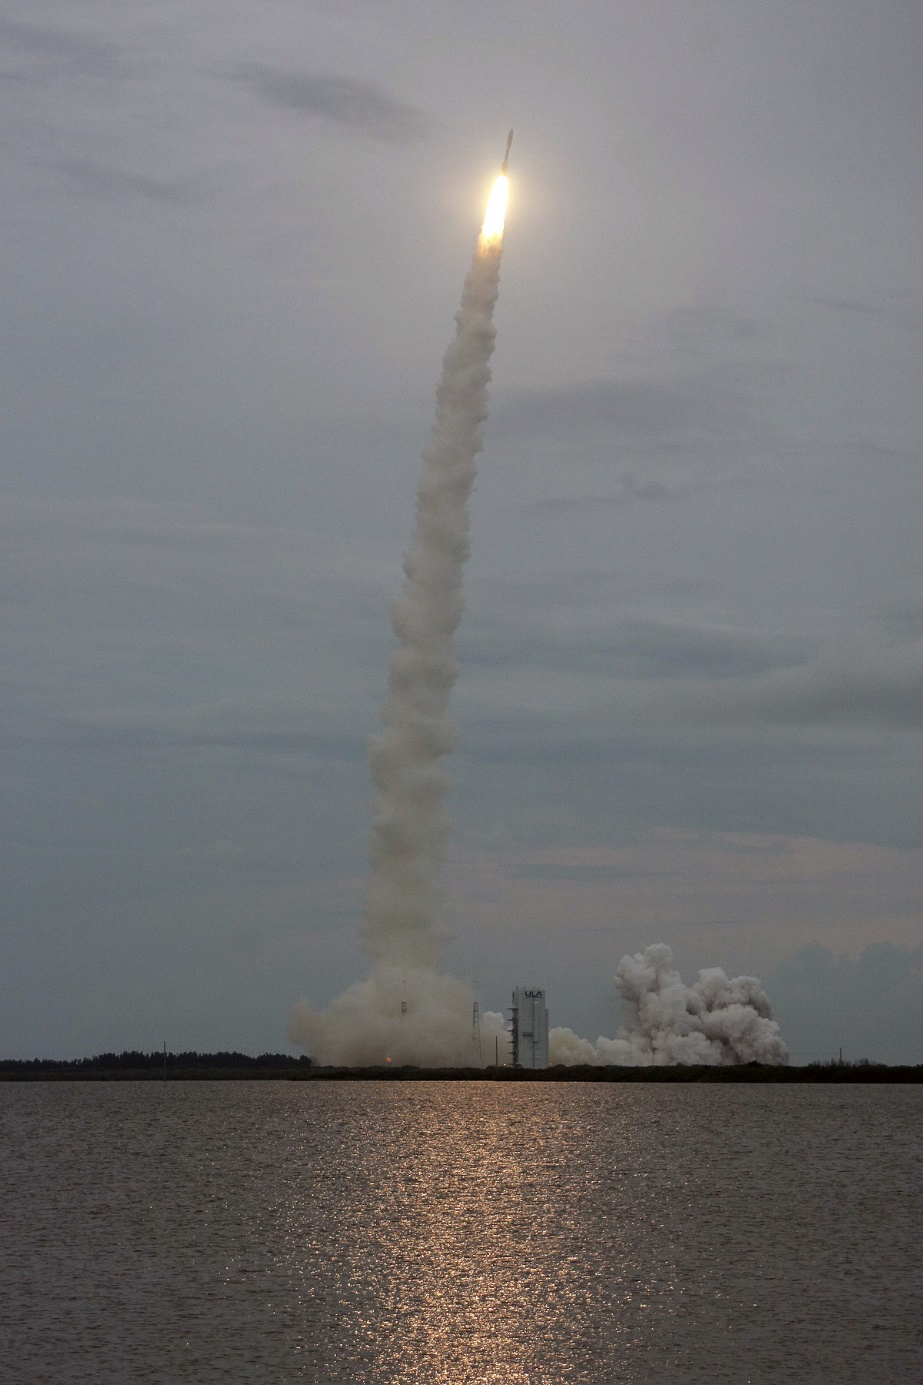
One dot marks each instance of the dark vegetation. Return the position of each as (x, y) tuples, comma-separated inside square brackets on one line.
[(135, 1066), (747, 1072), (138, 1066)]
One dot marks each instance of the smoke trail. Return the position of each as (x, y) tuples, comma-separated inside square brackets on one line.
[(403, 1011), (718, 1020), (409, 826)]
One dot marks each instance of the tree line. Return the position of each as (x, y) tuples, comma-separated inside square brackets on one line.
[(133, 1060)]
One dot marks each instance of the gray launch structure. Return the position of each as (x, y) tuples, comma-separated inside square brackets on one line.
[(529, 1036)]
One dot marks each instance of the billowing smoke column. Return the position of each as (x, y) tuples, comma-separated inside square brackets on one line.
[(409, 826), (404, 1011), (718, 1020)]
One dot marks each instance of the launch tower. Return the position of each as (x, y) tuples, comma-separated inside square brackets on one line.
[(529, 1028)]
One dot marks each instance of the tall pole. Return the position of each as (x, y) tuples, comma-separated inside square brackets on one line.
[(476, 1056)]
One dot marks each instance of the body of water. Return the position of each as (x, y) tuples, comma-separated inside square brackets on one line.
[(460, 1232)]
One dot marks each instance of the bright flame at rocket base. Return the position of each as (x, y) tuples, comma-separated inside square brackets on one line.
[(492, 230)]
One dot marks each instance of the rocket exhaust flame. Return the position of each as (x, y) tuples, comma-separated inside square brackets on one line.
[(494, 217)]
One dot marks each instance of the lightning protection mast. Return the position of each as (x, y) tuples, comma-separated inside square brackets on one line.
[(476, 1057)]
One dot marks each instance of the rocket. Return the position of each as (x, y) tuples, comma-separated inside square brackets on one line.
[(506, 156)]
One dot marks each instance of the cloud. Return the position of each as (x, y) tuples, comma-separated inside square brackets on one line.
[(628, 409), (871, 1005), (87, 54), (100, 180), (585, 874), (634, 649), (355, 105), (846, 305), (307, 744), (825, 695), (904, 621), (628, 492)]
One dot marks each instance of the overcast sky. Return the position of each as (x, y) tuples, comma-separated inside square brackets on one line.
[(233, 238)]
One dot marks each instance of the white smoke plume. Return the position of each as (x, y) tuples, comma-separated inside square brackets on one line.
[(409, 825), (404, 1011), (718, 1020), (368, 1024)]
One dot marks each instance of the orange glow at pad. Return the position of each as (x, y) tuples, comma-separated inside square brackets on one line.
[(496, 210)]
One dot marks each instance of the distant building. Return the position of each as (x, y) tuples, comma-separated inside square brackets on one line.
[(529, 1028)]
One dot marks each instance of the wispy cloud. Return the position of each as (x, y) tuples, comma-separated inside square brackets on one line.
[(845, 305), (627, 491), (873, 1002), (626, 408), (311, 744), (87, 54), (834, 696), (357, 106), (905, 621), (104, 181), (704, 890), (636, 649)]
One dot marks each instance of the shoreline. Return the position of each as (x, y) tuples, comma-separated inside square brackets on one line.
[(40, 1070)]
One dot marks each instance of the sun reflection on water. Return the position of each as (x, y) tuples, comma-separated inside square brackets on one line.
[(466, 1244)]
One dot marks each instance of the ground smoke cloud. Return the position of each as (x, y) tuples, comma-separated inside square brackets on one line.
[(718, 1020), (368, 1025), (404, 1011)]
